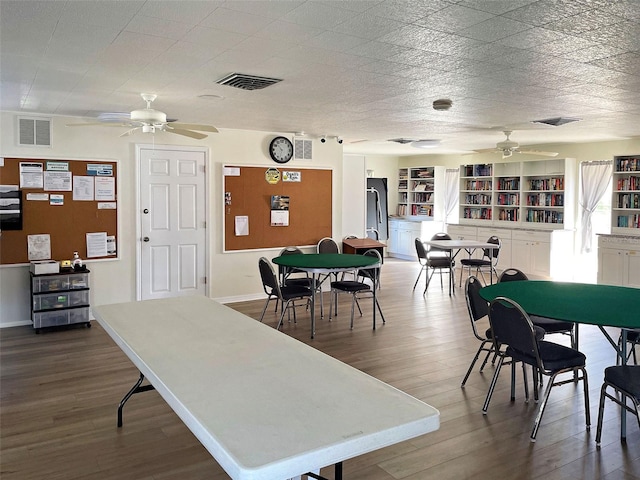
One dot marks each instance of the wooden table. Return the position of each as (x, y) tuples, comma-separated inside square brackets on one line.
[(262, 403), (360, 245), (324, 264), (592, 304)]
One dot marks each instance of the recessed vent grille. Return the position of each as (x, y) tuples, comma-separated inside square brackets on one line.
[(34, 131), (302, 149), (556, 122), (247, 82)]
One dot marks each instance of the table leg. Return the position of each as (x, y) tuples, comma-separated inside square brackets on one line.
[(622, 353), (137, 388), (313, 304)]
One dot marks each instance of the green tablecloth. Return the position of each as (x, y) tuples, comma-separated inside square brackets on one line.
[(602, 305), (323, 261)]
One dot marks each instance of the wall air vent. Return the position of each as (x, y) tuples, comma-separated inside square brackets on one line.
[(302, 148), (556, 122), (35, 132), (247, 82)]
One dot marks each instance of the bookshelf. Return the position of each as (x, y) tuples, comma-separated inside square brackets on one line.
[(527, 194), (416, 191), (625, 204)]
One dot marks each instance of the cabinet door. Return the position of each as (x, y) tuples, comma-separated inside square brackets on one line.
[(632, 271), (611, 263), (520, 255), (540, 259), (394, 239), (406, 242)]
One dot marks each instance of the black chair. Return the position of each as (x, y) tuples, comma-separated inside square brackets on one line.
[(421, 251), (358, 287), (489, 260), (511, 326), (439, 259), (625, 380), (548, 324), (287, 273), (285, 294), (633, 339), (478, 309)]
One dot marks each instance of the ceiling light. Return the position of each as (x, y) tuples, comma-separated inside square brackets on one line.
[(427, 143), (442, 104)]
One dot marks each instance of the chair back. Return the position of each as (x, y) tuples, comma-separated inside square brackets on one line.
[(510, 325), (439, 236), (478, 307), (420, 250), (512, 275), (492, 253), (349, 237), (286, 271), (327, 245), (269, 279), (372, 273)]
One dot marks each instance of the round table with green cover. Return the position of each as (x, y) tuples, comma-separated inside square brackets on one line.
[(325, 263)]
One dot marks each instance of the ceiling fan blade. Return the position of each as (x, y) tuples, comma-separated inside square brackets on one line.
[(538, 152), (186, 133), (488, 150), (194, 126)]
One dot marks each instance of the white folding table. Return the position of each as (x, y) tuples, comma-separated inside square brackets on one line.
[(265, 405)]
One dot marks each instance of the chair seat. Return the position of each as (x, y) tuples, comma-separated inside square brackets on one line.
[(440, 262), (294, 291), (350, 286), (550, 325), (301, 282), (554, 357), (626, 377), (475, 262), (633, 336)]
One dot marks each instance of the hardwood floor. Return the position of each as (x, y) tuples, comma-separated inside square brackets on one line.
[(60, 391)]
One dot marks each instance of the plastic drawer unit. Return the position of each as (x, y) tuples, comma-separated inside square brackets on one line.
[(60, 299)]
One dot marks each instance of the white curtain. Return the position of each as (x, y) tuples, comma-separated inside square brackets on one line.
[(595, 177), (451, 191)]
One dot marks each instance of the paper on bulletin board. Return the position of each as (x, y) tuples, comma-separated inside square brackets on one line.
[(96, 244), (39, 247), (242, 225), (82, 188), (57, 181), (31, 175), (105, 189), (279, 218), (56, 199)]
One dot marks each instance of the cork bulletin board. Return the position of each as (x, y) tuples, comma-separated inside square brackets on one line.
[(47, 208), (249, 192)]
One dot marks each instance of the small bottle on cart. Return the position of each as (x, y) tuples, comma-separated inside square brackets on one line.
[(77, 261)]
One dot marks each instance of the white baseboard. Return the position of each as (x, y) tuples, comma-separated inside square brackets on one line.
[(18, 323)]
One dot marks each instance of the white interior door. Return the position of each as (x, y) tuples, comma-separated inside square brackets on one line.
[(172, 223)]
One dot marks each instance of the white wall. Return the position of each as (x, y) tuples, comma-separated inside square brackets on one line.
[(354, 199), (232, 276)]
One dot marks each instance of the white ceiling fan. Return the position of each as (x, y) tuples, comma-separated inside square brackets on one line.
[(149, 120), (508, 147)]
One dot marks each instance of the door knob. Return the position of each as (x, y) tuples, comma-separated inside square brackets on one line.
[(146, 210), (145, 239)]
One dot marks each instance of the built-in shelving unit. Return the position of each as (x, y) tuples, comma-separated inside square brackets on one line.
[(416, 188), (625, 204), (526, 194)]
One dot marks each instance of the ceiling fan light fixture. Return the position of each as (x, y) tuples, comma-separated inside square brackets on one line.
[(426, 143), (442, 104)]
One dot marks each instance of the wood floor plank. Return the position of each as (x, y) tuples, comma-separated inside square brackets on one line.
[(59, 392)]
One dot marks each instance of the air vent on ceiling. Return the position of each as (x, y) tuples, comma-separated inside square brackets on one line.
[(302, 148), (34, 131), (556, 122), (247, 82), (401, 140)]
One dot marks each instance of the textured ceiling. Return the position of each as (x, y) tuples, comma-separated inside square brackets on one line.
[(363, 70)]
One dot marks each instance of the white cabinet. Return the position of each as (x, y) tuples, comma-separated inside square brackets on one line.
[(402, 235), (619, 260), (530, 252)]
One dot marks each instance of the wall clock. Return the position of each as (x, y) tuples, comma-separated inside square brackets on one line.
[(281, 149)]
